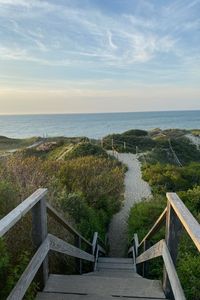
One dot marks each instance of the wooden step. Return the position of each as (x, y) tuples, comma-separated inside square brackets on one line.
[(122, 266), (115, 260), (114, 273), (104, 286), (56, 296)]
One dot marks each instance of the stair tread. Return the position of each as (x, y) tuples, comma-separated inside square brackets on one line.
[(127, 266), (104, 286), (117, 260), (114, 273), (58, 296)]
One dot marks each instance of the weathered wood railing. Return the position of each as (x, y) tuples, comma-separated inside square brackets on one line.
[(44, 242), (176, 216)]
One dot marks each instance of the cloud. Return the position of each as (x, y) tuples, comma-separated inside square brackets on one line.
[(114, 40), (148, 43)]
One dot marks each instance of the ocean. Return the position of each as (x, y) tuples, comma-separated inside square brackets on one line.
[(94, 125)]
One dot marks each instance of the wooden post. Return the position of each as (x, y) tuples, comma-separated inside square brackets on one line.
[(39, 233), (78, 260), (112, 143), (145, 264), (172, 236)]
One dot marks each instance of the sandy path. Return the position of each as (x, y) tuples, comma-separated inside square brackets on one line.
[(195, 140), (135, 189)]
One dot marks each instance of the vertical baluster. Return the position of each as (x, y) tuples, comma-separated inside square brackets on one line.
[(39, 233), (172, 237)]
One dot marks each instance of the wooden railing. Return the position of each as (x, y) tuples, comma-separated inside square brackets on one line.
[(44, 242), (176, 216)]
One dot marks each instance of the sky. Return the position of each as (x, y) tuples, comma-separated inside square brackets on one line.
[(83, 56)]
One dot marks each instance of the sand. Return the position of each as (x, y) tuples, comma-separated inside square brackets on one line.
[(135, 190), (194, 139)]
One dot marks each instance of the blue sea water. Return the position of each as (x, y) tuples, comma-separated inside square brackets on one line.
[(94, 125)]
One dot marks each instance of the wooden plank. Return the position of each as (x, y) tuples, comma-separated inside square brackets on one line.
[(96, 258), (25, 280), (144, 267), (156, 227), (154, 251), (188, 221), (102, 265), (118, 260), (105, 286), (94, 242), (53, 213), (78, 260), (132, 250), (17, 213), (136, 243), (39, 233), (61, 246), (172, 275), (59, 296), (172, 236)]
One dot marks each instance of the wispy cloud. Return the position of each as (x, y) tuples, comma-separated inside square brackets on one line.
[(146, 42)]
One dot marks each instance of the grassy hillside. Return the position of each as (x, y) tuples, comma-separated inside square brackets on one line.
[(9, 143)]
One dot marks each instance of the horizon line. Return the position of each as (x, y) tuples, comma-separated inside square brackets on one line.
[(95, 113)]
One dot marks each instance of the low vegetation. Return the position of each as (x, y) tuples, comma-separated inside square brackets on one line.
[(165, 175), (85, 186), (164, 146), (10, 144)]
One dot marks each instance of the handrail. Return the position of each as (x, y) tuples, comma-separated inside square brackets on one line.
[(154, 251), (161, 249), (53, 213), (187, 219), (155, 227), (17, 213), (28, 275), (43, 241), (172, 275), (58, 245), (50, 243), (176, 215)]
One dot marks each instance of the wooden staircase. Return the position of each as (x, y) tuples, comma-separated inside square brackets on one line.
[(113, 278), (109, 278)]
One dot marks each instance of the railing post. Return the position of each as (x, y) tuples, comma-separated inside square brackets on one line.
[(172, 236), (145, 264), (78, 260), (39, 232)]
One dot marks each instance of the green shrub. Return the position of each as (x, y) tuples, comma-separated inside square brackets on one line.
[(144, 214), (85, 149), (135, 132), (170, 178), (8, 197)]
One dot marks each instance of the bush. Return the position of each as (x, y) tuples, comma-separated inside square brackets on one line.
[(100, 180), (87, 219), (135, 132), (85, 149), (88, 188), (144, 214), (8, 197), (170, 178)]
